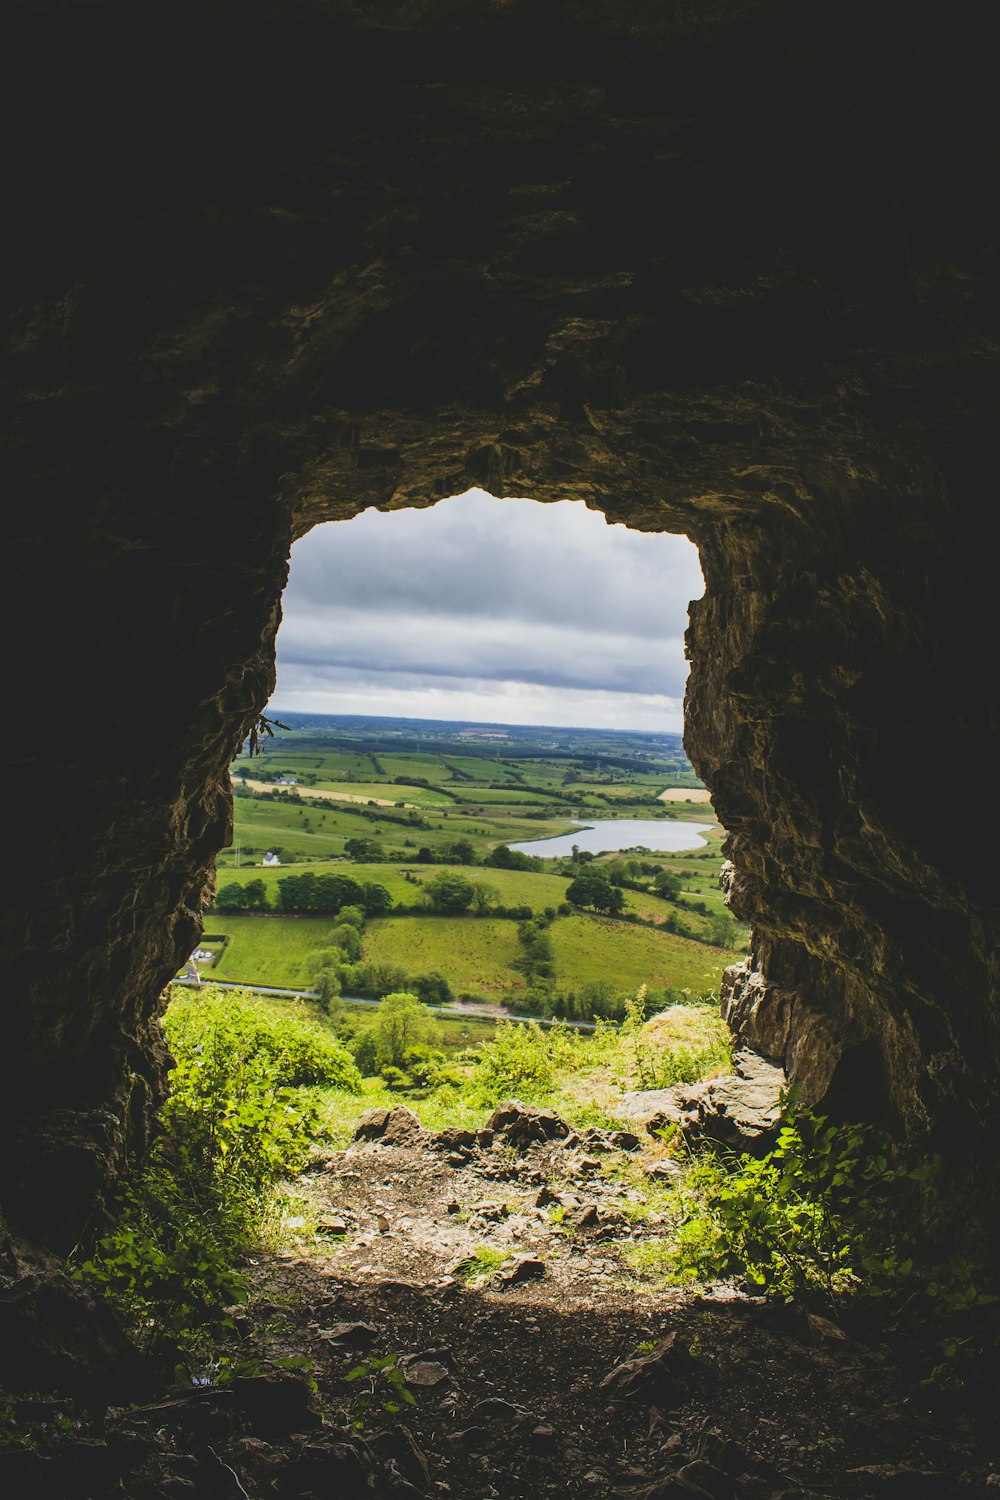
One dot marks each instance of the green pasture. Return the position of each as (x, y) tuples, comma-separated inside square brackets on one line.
[(473, 953), (590, 947), (267, 950)]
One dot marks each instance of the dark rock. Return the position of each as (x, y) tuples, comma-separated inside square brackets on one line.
[(352, 1335), (322, 1469), (496, 1409), (625, 1140), (207, 1415), (398, 1446), (658, 1378), (519, 1268), (276, 1403), (392, 1127), (331, 1224), (542, 1439), (893, 1482), (727, 1455), (56, 1336), (706, 1480), (741, 1110), (521, 1125), (668, 1488), (425, 1373), (651, 1108), (454, 1139), (470, 1437)]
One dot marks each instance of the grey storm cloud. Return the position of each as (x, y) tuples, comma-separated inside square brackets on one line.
[(479, 591)]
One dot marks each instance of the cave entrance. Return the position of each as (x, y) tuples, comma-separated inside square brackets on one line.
[(504, 675)]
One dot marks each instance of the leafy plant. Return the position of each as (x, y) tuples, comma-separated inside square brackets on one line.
[(237, 1121), (828, 1212), (521, 1060), (382, 1388)]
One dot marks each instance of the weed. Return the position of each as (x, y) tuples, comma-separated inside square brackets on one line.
[(382, 1389), (478, 1267), (237, 1121)]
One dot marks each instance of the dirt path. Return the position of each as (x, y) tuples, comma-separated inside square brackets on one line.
[(542, 1368)]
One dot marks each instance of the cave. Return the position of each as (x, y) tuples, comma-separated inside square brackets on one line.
[(728, 270)]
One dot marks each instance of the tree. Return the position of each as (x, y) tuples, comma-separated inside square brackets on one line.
[(432, 989), (353, 915), (484, 896), (722, 930), (591, 889), (348, 940), (502, 858), (401, 1022), (255, 892), (364, 851), (231, 897), (449, 893), (667, 885), (462, 853), (376, 898)]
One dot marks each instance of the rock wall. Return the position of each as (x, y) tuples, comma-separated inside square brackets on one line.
[(724, 269)]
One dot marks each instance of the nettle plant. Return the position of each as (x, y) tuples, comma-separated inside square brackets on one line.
[(827, 1212)]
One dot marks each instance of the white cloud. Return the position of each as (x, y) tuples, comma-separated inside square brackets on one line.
[(488, 609)]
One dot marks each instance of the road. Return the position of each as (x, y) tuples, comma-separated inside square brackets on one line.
[(441, 1010)]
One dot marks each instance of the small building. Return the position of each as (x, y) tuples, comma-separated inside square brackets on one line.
[(288, 781), (271, 859)]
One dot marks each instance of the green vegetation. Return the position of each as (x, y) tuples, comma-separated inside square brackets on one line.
[(827, 1213), (242, 1115)]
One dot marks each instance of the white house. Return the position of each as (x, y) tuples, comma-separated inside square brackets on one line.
[(271, 859)]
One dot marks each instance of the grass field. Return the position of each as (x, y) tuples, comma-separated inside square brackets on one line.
[(590, 948), (267, 950), (474, 953)]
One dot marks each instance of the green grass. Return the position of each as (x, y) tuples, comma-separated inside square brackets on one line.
[(590, 947), (474, 953), (267, 950)]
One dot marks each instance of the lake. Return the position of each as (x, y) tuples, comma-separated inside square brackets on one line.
[(620, 833)]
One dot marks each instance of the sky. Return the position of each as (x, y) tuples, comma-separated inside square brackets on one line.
[(500, 611)]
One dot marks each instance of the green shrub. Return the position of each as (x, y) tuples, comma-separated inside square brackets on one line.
[(237, 1121), (827, 1212), (520, 1061)]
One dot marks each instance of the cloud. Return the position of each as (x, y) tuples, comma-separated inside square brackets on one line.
[(485, 608)]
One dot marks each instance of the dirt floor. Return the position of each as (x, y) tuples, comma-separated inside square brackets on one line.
[(553, 1372), (471, 1327)]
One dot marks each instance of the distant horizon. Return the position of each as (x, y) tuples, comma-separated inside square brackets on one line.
[(275, 711)]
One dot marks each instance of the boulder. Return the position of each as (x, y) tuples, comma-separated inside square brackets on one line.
[(391, 1127), (522, 1125), (741, 1110), (657, 1378)]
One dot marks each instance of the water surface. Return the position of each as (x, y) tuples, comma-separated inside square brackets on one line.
[(620, 833)]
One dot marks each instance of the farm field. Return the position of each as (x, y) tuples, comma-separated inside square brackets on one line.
[(474, 953), (423, 787), (598, 948), (266, 950)]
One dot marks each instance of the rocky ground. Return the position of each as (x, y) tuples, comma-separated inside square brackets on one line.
[(473, 1329)]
